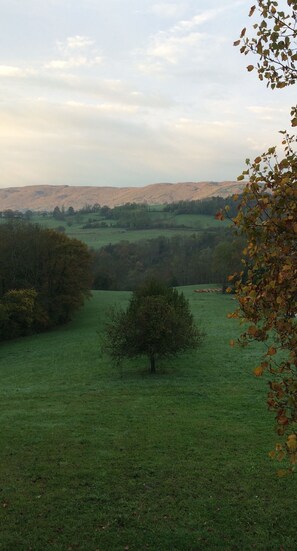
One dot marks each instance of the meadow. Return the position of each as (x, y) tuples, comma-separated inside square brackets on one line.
[(96, 458), (99, 237)]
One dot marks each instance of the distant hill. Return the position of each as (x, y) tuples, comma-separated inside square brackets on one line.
[(48, 197)]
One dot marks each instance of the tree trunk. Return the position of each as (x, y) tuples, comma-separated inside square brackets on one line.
[(153, 364)]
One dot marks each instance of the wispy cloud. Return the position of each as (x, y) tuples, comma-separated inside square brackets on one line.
[(172, 48), (8, 71), (75, 51), (199, 19), (72, 62), (76, 42), (182, 42)]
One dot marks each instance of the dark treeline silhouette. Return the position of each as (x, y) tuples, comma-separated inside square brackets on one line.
[(181, 260)]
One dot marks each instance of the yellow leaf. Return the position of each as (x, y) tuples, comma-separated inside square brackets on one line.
[(293, 458), (280, 456), (282, 472), (258, 371), (271, 351), (292, 443)]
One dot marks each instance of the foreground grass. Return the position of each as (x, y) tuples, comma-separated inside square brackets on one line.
[(94, 459)]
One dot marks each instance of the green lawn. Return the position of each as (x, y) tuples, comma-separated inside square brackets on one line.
[(94, 459)]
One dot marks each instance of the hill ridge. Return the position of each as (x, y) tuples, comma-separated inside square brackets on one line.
[(47, 197)]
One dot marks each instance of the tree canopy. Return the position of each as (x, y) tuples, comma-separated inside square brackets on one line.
[(157, 323), (267, 215), (44, 278)]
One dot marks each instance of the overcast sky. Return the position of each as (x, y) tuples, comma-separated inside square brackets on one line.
[(129, 92)]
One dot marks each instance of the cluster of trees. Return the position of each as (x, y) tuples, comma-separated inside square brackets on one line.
[(9, 214), (181, 260), (157, 323), (44, 278), (132, 216), (208, 207)]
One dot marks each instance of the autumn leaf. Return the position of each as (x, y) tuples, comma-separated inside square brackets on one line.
[(292, 442), (266, 290), (258, 371), (282, 472)]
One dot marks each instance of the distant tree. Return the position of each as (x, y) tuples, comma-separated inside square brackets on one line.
[(157, 323), (58, 214), (106, 211), (9, 214), (28, 214), (70, 211)]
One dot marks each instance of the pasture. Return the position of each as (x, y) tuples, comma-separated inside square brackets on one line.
[(182, 224), (93, 458)]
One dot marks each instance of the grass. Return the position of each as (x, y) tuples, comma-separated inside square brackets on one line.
[(99, 237), (94, 459)]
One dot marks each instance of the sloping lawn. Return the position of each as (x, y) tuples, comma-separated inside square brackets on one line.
[(93, 458)]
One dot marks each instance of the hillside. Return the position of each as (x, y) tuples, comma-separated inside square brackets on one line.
[(173, 462), (48, 197)]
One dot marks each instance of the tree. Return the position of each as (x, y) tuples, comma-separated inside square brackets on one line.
[(44, 277), (157, 323), (267, 216)]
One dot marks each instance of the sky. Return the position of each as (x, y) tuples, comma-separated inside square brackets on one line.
[(129, 93)]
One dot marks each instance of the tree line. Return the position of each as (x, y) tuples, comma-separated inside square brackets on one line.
[(208, 257)]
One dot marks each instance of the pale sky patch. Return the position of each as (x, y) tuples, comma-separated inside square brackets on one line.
[(166, 9), (129, 93)]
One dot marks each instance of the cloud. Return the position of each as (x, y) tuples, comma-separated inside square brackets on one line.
[(183, 43), (108, 92), (77, 42), (165, 9), (199, 19), (172, 48), (267, 113), (8, 71), (76, 51), (72, 62)]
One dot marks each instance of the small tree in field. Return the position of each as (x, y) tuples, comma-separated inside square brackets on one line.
[(157, 323)]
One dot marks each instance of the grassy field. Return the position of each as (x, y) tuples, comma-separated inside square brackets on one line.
[(94, 459), (98, 237)]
